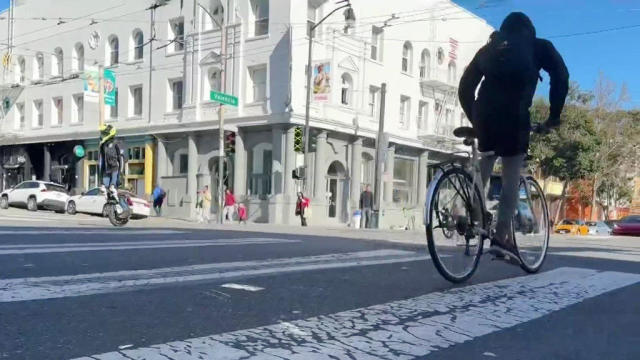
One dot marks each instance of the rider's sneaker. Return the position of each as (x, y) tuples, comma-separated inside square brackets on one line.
[(503, 251)]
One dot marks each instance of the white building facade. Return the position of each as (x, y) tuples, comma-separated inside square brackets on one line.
[(418, 48)]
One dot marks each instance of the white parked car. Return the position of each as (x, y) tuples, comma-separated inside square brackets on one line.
[(94, 201), (36, 195), (598, 228)]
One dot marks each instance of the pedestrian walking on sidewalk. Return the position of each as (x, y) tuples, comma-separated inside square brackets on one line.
[(158, 196), (204, 205), (229, 206), (242, 213), (302, 208), (366, 204)]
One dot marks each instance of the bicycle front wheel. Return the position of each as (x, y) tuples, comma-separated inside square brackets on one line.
[(531, 226), (454, 218)]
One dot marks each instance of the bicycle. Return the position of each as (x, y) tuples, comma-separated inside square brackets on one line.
[(117, 209), (457, 221)]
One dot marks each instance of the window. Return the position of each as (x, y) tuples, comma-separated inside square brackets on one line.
[(38, 119), (214, 79), (216, 19), (258, 77), (20, 116), (77, 115), (449, 121), (423, 113), (77, 58), (184, 163), (112, 111), (346, 93), (19, 70), (135, 100), (175, 92), (113, 49), (425, 64), (376, 43), (260, 163), (57, 60), (137, 153), (373, 100), (403, 178), (405, 105), (137, 42), (56, 111), (38, 68), (176, 32), (440, 56), (260, 17), (451, 72), (407, 53)]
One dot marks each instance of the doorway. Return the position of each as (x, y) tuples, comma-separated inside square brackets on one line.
[(336, 186)]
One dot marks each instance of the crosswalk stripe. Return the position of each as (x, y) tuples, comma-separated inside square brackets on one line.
[(24, 289), (616, 255), (158, 244), (403, 329)]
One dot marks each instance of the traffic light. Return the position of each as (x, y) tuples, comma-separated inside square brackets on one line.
[(298, 173), (298, 140), (230, 143)]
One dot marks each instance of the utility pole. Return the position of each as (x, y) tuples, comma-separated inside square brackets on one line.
[(152, 37), (223, 88), (380, 150)]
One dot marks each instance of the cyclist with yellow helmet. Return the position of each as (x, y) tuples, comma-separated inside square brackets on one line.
[(110, 160)]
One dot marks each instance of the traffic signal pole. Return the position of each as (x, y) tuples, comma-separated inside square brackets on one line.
[(223, 88)]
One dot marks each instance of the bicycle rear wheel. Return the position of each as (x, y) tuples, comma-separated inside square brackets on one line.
[(531, 226), (454, 217)]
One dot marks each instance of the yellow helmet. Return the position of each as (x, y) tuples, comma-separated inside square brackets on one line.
[(107, 132)]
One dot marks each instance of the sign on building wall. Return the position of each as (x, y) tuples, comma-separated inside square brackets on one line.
[(91, 83), (109, 87), (453, 49), (321, 81)]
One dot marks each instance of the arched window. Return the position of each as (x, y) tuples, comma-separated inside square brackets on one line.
[(137, 45), (440, 56), (113, 50), (77, 59), (57, 61), (407, 54), (38, 66), (451, 73), (214, 80), (347, 89), (214, 16), (425, 64), (19, 70)]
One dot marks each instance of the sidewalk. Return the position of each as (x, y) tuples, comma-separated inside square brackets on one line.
[(397, 236)]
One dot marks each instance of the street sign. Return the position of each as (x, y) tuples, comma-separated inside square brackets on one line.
[(109, 88), (224, 98)]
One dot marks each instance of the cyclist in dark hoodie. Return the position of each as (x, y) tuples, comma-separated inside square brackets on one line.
[(509, 64)]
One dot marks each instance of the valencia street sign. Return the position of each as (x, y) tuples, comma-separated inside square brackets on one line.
[(224, 98)]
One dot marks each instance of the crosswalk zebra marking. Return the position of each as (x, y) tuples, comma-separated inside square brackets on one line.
[(404, 329), (39, 288)]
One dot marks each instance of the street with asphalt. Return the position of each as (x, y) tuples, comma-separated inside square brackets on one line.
[(73, 287)]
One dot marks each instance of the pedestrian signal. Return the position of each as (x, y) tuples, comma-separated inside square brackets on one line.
[(298, 140), (230, 143)]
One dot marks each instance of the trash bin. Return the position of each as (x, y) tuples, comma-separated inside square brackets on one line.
[(355, 220)]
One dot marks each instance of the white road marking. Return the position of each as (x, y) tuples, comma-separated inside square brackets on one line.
[(241, 287), (157, 244), (39, 288), (610, 254), (404, 329), (90, 231)]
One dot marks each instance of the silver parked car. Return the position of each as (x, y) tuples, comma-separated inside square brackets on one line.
[(598, 228)]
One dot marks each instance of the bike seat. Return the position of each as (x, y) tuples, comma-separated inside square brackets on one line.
[(465, 132)]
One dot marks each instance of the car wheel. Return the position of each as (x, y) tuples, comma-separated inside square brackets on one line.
[(32, 205), (4, 202), (71, 208)]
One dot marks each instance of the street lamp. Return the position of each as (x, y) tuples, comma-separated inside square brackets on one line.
[(350, 19)]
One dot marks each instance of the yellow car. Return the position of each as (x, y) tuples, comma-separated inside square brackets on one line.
[(569, 226)]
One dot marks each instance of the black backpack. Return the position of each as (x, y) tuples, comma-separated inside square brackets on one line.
[(111, 155), (511, 59)]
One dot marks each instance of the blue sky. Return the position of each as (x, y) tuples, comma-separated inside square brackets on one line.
[(615, 53)]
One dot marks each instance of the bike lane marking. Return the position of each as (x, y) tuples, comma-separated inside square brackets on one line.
[(39, 288), (403, 329)]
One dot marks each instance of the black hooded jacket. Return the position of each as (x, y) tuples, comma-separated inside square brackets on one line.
[(500, 114)]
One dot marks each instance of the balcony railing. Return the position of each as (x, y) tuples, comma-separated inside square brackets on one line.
[(441, 79)]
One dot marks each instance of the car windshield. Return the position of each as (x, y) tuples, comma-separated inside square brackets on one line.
[(631, 220), (592, 223), (55, 188), (568, 222)]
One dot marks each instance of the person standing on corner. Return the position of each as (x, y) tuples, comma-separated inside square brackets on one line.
[(366, 204), (229, 206), (302, 206), (205, 204), (158, 196)]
